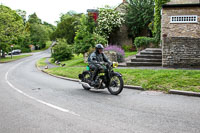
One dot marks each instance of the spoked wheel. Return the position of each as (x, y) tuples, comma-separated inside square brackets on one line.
[(86, 79), (116, 85)]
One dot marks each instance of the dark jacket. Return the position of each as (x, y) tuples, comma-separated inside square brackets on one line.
[(96, 58)]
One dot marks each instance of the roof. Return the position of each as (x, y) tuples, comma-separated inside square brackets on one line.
[(181, 5), (123, 3)]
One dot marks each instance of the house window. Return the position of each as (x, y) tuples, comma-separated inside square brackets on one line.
[(184, 19)]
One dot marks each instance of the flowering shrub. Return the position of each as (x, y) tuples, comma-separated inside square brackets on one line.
[(108, 20), (115, 48), (118, 50)]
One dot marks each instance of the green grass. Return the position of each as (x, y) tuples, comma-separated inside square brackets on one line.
[(76, 61), (8, 58), (41, 62), (70, 72), (130, 53), (187, 80)]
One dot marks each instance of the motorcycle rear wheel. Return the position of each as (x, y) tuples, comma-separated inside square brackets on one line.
[(116, 85)]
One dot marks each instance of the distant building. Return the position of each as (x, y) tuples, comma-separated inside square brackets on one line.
[(181, 33), (32, 47)]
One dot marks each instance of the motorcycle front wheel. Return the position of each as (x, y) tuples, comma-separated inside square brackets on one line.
[(116, 85)]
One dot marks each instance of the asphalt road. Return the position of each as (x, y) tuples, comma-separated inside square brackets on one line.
[(34, 102)]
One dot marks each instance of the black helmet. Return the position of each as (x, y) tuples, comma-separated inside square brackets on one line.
[(99, 46)]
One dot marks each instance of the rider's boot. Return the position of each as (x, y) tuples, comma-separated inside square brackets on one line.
[(94, 81)]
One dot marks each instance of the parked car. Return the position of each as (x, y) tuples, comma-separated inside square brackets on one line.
[(15, 52)]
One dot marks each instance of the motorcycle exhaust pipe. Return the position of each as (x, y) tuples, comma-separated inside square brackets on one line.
[(85, 84)]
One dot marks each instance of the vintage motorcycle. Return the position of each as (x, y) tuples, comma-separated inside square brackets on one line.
[(111, 80)]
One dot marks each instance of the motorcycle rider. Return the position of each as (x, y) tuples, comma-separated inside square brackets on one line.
[(95, 61)]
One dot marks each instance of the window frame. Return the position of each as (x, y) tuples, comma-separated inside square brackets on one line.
[(184, 19)]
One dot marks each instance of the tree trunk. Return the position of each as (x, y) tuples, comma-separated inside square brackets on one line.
[(3, 54)]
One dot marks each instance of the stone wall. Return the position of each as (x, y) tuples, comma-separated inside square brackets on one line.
[(180, 30), (111, 55), (181, 52)]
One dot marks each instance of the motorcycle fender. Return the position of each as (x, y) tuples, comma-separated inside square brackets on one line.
[(85, 72), (118, 74), (80, 76)]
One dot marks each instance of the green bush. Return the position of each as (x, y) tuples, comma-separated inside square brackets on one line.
[(62, 51), (25, 50), (143, 42), (16, 47), (128, 48)]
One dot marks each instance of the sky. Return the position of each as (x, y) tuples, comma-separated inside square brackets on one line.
[(50, 10)]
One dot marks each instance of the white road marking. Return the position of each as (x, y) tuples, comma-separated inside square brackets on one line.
[(35, 99)]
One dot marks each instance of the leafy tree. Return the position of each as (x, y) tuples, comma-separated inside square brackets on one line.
[(52, 27), (39, 35), (24, 39), (85, 37), (49, 28), (68, 14), (33, 18), (11, 27), (157, 18), (67, 27), (139, 15), (108, 21), (22, 14)]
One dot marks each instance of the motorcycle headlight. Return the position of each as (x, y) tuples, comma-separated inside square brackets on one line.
[(115, 64)]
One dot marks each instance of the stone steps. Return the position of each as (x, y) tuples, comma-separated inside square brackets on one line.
[(150, 53), (145, 60), (129, 64), (147, 57)]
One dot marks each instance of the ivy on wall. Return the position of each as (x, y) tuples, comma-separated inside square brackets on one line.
[(157, 18)]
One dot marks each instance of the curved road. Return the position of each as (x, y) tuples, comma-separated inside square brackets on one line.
[(34, 102)]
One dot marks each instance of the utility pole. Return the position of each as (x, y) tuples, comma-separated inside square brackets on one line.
[(11, 50)]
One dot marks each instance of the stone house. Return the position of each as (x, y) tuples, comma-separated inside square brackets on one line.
[(181, 33), (121, 36)]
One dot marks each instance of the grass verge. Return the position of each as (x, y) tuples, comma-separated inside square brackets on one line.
[(41, 62), (8, 59), (70, 72), (76, 61), (163, 80)]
